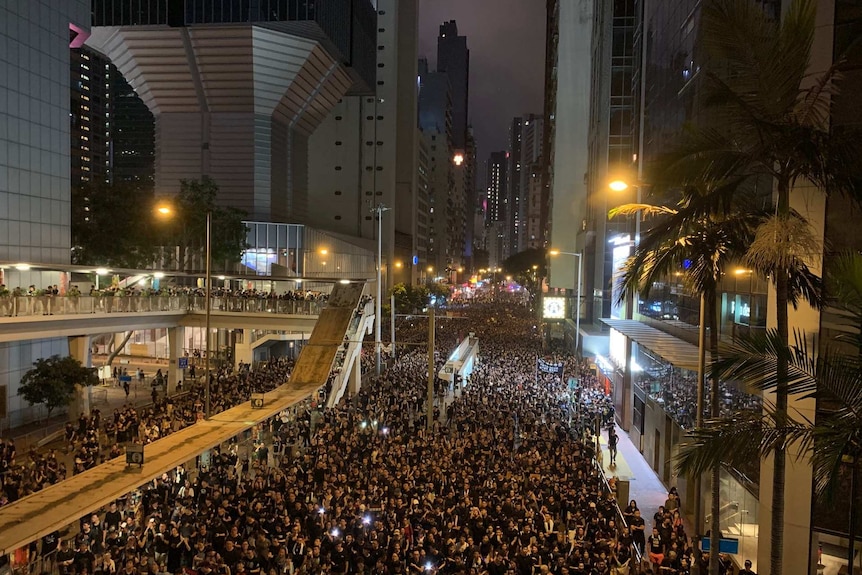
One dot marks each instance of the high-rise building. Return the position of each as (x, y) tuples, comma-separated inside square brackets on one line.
[(241, 116), (569, 76), (365, 151), (496, 168), (453, 58), (132, 135), (35, 170), (525, 151), (112, 129), (435, 121), (90, 117)]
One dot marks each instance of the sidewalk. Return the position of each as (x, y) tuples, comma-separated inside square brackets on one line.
[(644, 485), (105, 398)]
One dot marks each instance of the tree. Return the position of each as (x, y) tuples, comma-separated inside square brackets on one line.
[(186, 228), (409, 298), (109, 225), (773, 119), (52, 381), (834, 441), (698, 240)]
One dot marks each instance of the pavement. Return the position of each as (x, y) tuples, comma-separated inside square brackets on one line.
[(105, 398), (645, 487)]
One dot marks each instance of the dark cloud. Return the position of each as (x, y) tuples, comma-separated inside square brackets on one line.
[(507, 59)]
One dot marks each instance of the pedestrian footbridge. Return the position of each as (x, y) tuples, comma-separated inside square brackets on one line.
[(40, 317), (59, 505)]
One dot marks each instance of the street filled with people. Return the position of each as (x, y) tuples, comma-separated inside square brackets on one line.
[(503, 480)]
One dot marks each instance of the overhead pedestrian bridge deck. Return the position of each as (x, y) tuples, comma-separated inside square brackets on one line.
[(60, 505), (39, 317)]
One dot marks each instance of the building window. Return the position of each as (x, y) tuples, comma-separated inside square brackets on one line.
[(337, 217), (337, 192), (369, 118), (380, 47), (380, 82), (337, 142), (368, 193), (337, 117), (337, 168)]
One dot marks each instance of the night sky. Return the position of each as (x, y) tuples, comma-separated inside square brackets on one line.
[(506, 39)]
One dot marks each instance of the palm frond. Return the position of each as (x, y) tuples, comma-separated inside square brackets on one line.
[(645, 210), (744, 437), (753, 359), (781, 242)]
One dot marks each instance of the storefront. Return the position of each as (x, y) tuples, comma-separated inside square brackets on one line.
[(658, 402)]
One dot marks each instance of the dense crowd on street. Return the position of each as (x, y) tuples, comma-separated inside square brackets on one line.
[(97, 438), (504, 480)]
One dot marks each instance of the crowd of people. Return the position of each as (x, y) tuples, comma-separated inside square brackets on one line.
[(118, 298), (676, 390), (503, 480), (95, 439)]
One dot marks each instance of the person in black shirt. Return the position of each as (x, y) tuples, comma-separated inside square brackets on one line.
[(84, 558), (113, 517), (746, 570), (638, 526), (65, 558)]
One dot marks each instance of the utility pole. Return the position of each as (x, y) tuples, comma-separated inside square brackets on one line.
[(379, 209), (431, 366), (392, 326)]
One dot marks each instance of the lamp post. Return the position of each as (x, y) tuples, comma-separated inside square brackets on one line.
[(207, 293), (168, 211), (378, 209), (577, 306)]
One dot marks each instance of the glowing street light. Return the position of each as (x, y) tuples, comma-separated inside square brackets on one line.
[(618, 186)]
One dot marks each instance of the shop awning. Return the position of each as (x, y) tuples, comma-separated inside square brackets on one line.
[(673, 350)]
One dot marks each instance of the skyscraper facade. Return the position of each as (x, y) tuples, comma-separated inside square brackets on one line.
[(35, 170), (241, 116), (435, 121), (569, 37), (496, 168), (365, 151), (526, 140), (453, 59), (112, 129)]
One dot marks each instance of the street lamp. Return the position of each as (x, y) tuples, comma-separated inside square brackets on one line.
[(168, 211), (379, 209), (580, 257)]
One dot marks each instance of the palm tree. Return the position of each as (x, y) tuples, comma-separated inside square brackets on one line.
[(774, 127), (706, 238), (833, 377)]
